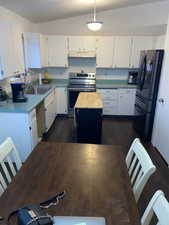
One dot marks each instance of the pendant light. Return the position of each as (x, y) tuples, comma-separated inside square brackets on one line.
[(94, 25)]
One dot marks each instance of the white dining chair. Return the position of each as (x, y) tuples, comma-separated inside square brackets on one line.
[(159, 206), (10, 163), (140, 167), (1, 190)]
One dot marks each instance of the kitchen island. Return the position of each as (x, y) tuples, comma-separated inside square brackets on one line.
[(88, 117)]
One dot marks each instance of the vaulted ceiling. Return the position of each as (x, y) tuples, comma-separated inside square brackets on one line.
[(47, 10)]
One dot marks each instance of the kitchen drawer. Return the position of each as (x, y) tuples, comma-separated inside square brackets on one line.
[(110, 111), (127, 91)]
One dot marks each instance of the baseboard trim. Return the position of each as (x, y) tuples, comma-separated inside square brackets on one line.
[(62, 115)]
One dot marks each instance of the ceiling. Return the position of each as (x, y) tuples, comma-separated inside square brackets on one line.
[(39, 11)]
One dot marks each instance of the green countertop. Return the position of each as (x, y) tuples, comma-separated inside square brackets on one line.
[(34, 100), (24, 107)]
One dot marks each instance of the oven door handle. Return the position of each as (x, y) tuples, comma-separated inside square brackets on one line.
[(81, 89), (73, 89)]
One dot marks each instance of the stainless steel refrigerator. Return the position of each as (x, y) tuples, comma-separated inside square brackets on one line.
[(147, 90)]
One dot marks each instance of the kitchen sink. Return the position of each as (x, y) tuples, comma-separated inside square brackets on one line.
[(37, 90)]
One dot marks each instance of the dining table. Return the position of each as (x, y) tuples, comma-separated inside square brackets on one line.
[(94, 177)]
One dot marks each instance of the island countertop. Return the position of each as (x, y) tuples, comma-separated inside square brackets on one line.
[(89, 100)]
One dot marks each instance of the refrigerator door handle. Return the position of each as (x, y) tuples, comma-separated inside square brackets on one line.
[(143, 75)]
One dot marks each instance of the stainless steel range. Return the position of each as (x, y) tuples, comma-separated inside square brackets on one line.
[(79, 82)]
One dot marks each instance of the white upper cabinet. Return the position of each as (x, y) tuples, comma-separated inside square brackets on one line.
[(159, 42), (6, 48), (11, 49), (122, 52), (33, 50), (104, 52), (57, 51), (43, 51), (82, 44), (18, 49), (138, 44)]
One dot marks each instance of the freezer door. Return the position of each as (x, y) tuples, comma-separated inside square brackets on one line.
[(150, 71)]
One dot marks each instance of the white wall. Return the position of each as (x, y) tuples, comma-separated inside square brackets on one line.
[(26, 25), (147, 19), (160, 137)]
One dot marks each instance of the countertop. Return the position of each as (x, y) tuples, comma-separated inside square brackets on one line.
[(34, 100), (89, 100)]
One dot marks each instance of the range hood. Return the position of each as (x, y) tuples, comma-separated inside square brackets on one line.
[(82, 54)]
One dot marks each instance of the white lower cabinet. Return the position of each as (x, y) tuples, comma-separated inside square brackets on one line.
[(33, 128), (22, 128), (126, 101), (118, 101), (61, 100), (110, 101), (50, 112)]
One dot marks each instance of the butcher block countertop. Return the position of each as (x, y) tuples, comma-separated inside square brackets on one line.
[(89, 100)]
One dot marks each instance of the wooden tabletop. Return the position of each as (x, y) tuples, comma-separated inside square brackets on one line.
[(89, 100), (94, 176)]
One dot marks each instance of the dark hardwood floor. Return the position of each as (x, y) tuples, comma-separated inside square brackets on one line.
[(118, 131)]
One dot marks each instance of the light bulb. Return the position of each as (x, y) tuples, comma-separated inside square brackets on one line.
[(94, 25)]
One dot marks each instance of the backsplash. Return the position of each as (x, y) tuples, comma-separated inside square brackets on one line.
[(32, 76), (88, 65), (75, 65)]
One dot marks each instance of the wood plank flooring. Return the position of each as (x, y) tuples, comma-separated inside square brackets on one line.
[(118, 131)]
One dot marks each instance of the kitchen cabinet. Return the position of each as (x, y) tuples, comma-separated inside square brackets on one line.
[(104, 52), (122, 52), (57, 51), (1, 67), (26, 138), (12, 61), (18, 58), (110, 101), (35, 50), (159, 42), (118, 101), (33, 128), (50, 112), (6, 48), (61, 99), (88, 117), (82, 44), (126, 101), (138, 44)]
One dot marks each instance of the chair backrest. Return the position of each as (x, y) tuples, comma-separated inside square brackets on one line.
[(158, 206), (1, 190), (10, 163), (140, 167)]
